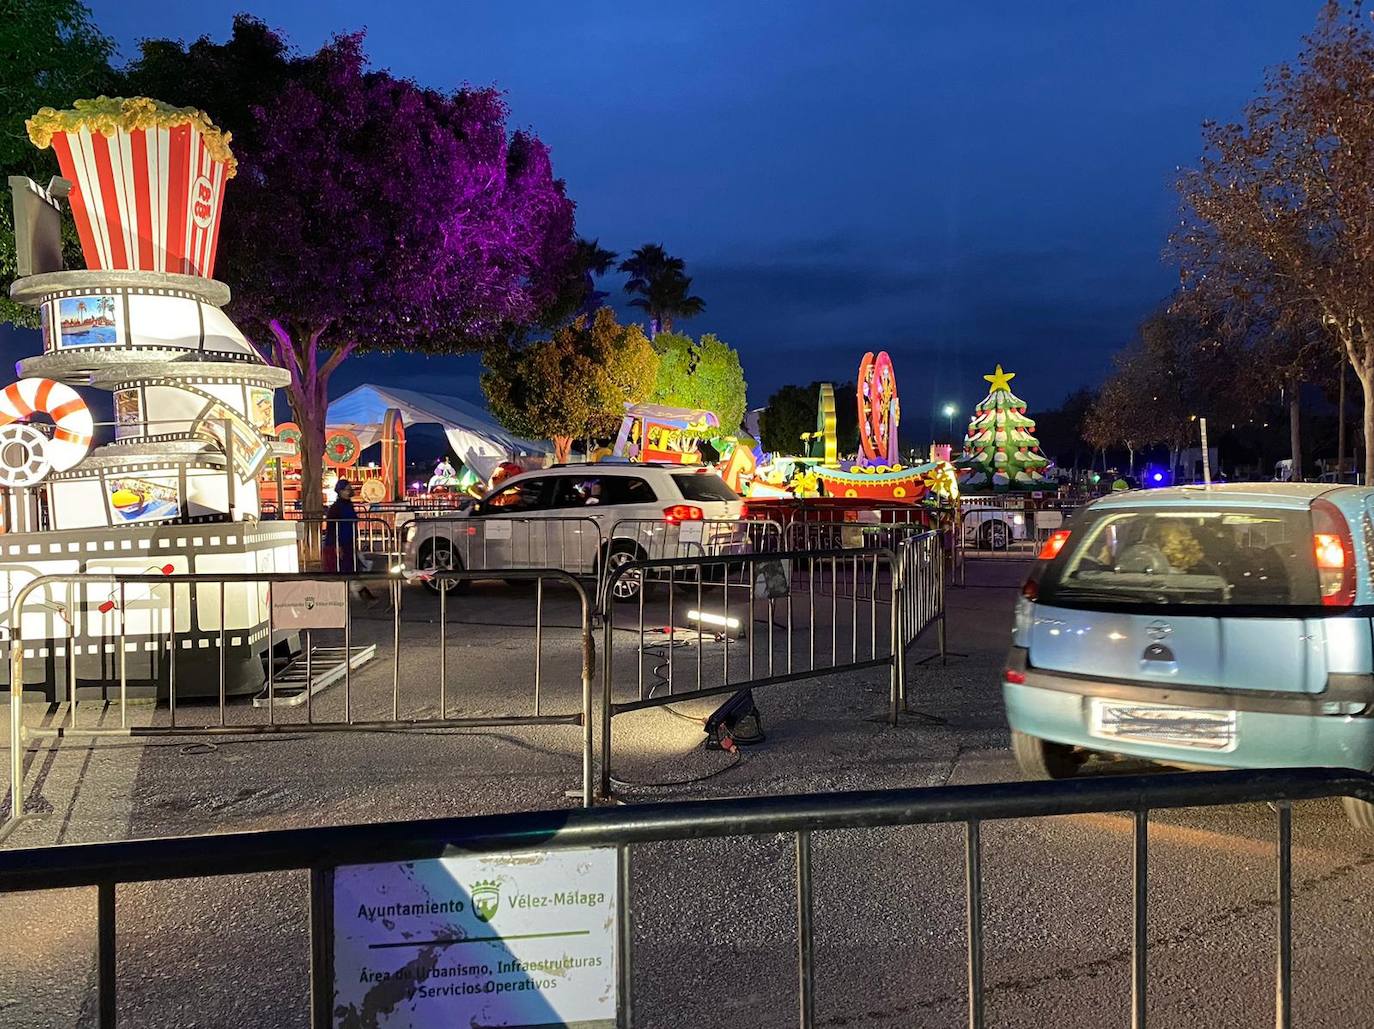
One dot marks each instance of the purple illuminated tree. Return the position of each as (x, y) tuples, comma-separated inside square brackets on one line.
[(371, 213)]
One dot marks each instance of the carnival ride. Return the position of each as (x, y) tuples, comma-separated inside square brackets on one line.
[(876, 473), (174, 490)]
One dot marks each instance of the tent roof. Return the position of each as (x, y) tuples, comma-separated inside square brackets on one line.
[(468, 427), (670, 415)]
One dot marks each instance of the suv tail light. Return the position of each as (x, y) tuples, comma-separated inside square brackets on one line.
[(682, 513), (1052, 546), (1333, 553)]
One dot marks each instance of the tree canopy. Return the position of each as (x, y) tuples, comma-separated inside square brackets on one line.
[(791, 411), (369, 212), (705, 374), (50, 54), (572, 385)]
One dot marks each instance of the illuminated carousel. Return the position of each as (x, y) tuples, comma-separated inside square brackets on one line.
[(174, 490)]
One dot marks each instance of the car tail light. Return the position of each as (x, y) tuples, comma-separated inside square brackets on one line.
[(682, 513), (1014, 677), (1333, 552), (1052, 546)]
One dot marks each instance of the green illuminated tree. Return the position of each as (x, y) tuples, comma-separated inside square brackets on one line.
[(705, 375)]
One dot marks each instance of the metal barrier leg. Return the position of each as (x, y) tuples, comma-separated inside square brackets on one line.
[(16, 728), (588, 672), (105, 954), (625, 1015), (607, 639), (896, 687), (973, 886), (1283, 986), (805, 969), (1140, 944), (321, 944)]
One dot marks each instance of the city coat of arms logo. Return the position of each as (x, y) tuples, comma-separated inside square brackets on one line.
[(486, 898)]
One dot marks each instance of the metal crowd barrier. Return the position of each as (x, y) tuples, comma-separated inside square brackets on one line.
[(657, 539), (921, 561), (374, 544), (1034, 525), (323, 849), (504, 542), (781, 617), (166, 635)]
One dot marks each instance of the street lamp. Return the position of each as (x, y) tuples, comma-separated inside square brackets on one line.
[(949, 414)]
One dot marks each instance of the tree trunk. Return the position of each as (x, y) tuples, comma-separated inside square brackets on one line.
[(308, 393), (312, 423), (562, 448), (1295, 431), (1340, 426), (1366, 377)]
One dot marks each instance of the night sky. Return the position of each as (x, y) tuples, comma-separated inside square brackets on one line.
[(959, 184)]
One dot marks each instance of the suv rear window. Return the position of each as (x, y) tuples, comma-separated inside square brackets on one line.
[(703, 486), (1250, 556)]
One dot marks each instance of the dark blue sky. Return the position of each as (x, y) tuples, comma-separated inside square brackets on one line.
[(958, 183)]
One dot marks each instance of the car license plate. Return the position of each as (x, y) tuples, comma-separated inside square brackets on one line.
[(1160, 723)]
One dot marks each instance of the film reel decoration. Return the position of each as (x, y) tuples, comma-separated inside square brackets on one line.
[(73, 426), (23, 456), (373, 491)]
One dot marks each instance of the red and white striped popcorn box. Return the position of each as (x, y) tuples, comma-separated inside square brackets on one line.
[(147, 181)]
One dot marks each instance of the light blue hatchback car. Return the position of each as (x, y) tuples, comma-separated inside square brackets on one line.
[(1226, 626)]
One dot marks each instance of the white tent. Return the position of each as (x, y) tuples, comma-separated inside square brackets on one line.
[(478, 441)]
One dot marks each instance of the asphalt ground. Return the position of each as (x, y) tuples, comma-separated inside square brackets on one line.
[(714, 920)]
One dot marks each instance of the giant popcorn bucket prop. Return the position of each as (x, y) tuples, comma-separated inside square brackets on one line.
[(147, 181), (171, 485)]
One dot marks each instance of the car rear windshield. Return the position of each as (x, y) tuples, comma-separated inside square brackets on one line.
[(1249, 556), (703, 486)]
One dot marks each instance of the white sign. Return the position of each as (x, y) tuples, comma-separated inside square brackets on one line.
[(497, 529), (690, 531), (309, 604), (496, 940), (1049, 519)]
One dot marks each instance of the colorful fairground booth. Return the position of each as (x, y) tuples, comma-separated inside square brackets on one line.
[(170, 487)]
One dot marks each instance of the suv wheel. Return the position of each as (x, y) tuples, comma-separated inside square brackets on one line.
[(626, 587), (994, 534), (1041, 759), (440, 556), (1360, 813)]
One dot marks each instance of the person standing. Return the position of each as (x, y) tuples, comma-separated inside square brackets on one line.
[(338, 550)]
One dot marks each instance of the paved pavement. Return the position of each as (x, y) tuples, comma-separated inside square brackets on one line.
[(714, 919)]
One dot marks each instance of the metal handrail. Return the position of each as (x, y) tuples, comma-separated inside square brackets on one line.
[(72, 865), (325, 848)]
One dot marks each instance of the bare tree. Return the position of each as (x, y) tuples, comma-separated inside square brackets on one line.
[(1277, 217)]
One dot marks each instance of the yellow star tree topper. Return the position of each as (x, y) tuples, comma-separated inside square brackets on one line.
[(1000, 380)]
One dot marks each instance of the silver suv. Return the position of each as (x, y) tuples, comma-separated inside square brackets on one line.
[(586, 519)]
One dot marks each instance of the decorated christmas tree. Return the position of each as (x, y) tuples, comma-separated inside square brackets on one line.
[(999, 446)]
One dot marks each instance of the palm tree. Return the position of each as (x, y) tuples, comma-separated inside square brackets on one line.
[(660, 287)]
